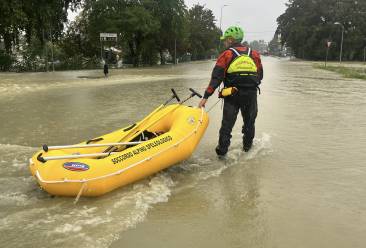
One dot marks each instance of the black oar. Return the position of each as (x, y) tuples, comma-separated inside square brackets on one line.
[(135, 127), (193, 94), (46, 148), (115, 146), (173, 96)]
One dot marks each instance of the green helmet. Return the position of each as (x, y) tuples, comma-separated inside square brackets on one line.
[(235, 32)]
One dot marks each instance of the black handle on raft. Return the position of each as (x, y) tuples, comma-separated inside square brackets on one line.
[(175, 95), (45, 148), (40, 159), (195, 93), (94, 140), (129, 128)]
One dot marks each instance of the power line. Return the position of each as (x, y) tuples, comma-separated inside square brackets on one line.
[(259, 32)]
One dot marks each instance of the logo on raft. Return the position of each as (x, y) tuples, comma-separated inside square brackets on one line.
[(75, 166)]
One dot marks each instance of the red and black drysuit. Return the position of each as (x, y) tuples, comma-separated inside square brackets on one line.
[(244, 100)]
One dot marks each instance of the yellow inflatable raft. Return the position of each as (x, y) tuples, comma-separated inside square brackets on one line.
[(167, 136)]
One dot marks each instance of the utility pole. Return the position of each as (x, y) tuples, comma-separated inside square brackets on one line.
[(175, 40), (101, 49), (340, 55), (53, 63), (175, 51), (45, 47)]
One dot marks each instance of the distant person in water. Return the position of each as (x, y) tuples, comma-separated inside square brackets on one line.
[(105, 70)]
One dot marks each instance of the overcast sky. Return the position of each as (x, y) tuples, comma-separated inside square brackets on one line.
[(257, 17)]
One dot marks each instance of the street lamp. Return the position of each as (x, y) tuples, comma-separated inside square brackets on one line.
[(222, 7), (340, 56)]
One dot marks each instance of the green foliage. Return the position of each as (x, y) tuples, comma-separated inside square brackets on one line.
[(173, 28), (144, 27), (36, 18), (147, 31), (5, 61), (31, 56), (306, 26), (38, 21), (204, 35), (274, 46)]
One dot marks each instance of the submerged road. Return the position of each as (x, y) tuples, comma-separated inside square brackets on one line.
[(302, 185)]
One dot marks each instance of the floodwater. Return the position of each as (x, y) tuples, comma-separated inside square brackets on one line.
[(302, 185)]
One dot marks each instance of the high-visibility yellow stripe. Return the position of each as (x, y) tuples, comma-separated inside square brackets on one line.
[(243, 63)]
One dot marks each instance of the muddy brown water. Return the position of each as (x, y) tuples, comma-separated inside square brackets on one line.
[(302, 185)]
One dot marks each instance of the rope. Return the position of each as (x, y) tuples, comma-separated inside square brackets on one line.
[(213, 106), (80, 193)]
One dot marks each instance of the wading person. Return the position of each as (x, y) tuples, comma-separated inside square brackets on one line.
[(241, 71), (105, 70)]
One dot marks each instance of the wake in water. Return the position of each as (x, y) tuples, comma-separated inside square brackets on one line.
[(213, 167), (14, 159), (17, 185), (97, 222)]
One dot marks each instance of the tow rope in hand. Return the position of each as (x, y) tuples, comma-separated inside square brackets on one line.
[(211, 108)]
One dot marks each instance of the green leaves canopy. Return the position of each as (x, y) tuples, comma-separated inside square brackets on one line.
[(146, 28), (33, 17), (307, 25)]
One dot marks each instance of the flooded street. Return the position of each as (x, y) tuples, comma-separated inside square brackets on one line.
[(302, 185)]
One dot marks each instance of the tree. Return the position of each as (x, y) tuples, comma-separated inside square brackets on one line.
[(259, 45), (145, 29), (172, 34), (33, 17), (203, 33), (34, 20), (274, 46), (132, 20), (306, 26)]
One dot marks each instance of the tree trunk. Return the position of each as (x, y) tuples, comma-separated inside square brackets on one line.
[(132, 52), (162, 58), (7, 42), (138, 51)]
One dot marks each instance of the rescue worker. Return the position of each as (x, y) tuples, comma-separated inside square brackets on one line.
[(240, 69)]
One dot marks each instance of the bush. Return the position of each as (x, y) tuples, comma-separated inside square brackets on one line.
[(6, 61)]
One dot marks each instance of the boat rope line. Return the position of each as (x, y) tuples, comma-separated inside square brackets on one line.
[(211, 108), (200, 121), (80, 193)]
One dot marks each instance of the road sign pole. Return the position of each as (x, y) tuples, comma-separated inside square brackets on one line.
[(107, 37), (329, 43), (101, 49)]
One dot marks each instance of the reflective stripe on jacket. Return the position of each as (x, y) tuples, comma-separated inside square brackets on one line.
[(242, 71), (222, 64)]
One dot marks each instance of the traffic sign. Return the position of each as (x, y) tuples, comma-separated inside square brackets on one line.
[(108, 36)]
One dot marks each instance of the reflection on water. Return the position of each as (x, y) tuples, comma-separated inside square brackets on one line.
[(302, 184)]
